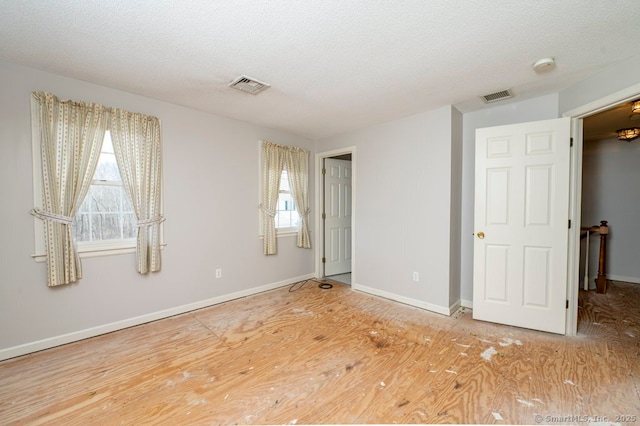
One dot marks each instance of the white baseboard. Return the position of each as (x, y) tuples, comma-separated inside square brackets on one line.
[(142, 319), (625, 279), (592, 280), (454, 307), (466, 303), (443, 310)]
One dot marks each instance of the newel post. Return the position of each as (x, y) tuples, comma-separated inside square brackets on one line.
[(601, 281)]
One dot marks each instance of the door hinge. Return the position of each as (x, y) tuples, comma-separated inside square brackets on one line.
[(567, 307), (324, 260), (324, 171), (324, 216), (570, 142), (569, 223)]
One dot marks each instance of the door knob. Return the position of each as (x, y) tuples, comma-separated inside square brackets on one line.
[(481, 235)]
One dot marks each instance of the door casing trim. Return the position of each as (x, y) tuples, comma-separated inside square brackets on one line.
[(319, 202), (575, 192)]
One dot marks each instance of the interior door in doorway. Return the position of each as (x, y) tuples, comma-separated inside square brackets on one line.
[(521, 224), (337, 214)]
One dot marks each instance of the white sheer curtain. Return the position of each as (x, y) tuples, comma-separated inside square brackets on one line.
[(137, 146), (273, 158), (71, 135), (297, 162)]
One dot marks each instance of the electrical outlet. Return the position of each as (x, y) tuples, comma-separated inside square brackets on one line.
[(416, 276), (218, 273)]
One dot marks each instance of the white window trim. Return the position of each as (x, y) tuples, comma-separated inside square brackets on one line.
[(280, 232), (85, 249)]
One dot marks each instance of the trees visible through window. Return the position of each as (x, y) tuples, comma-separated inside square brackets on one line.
[(106, 206), (106, 212)]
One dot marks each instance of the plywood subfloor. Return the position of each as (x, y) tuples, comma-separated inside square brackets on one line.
[(335, 356)]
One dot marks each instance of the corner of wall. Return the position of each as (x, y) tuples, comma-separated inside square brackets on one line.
[(438, 309), (455, 261)]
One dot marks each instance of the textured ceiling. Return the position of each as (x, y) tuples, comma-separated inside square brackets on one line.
[(334, 65)]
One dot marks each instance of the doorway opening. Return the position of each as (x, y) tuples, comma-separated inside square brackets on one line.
[(335, 218), (580, 135), (610, 193)]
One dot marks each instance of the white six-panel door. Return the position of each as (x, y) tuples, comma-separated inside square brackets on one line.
[(337, 209), (521, 224)]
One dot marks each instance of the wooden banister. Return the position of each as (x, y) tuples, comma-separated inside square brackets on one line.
[(603, 230), (601, 281)]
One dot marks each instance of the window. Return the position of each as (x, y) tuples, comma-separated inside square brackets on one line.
[(105, 222), (287, 217), (284, 198), (106, 213)]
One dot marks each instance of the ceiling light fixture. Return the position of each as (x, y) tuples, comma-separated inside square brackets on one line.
[(628, 134)]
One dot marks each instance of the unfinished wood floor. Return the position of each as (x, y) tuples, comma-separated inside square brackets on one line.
[(335, 356)]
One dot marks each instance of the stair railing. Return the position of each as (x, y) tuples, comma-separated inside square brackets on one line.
[(601, 280)]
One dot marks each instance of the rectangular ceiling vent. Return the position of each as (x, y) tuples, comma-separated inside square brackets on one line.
[(497, 96), (249, 85)]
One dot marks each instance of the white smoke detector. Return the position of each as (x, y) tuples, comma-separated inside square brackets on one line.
[(544, 64), (249, 85)]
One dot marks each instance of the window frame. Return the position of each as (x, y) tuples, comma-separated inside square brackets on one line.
[(287, 229), (84, 249), (108, 183), (291, 231)]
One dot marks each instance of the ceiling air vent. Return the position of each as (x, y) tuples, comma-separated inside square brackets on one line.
[(249, 85), (497, 96)]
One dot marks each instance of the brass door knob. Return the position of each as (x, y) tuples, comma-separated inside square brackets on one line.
[(481, 235)]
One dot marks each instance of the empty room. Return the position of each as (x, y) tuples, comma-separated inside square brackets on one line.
[(320, 212)]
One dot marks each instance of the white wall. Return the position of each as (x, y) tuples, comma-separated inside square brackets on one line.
[(609, 80), (410, 181), (211, 197), (404, 219), (610, 191), (602, 83), (456, 204), (541, 108)]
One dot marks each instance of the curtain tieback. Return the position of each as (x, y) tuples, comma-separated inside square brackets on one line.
[(305, 215), (268, 212), (41, 214), (152, 221)]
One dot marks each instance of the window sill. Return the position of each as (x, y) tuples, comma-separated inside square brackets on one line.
[(97, 250), (282, 234)]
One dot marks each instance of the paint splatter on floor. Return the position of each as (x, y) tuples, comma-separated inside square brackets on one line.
[(488, 353), (507, 341), (524, 402)]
